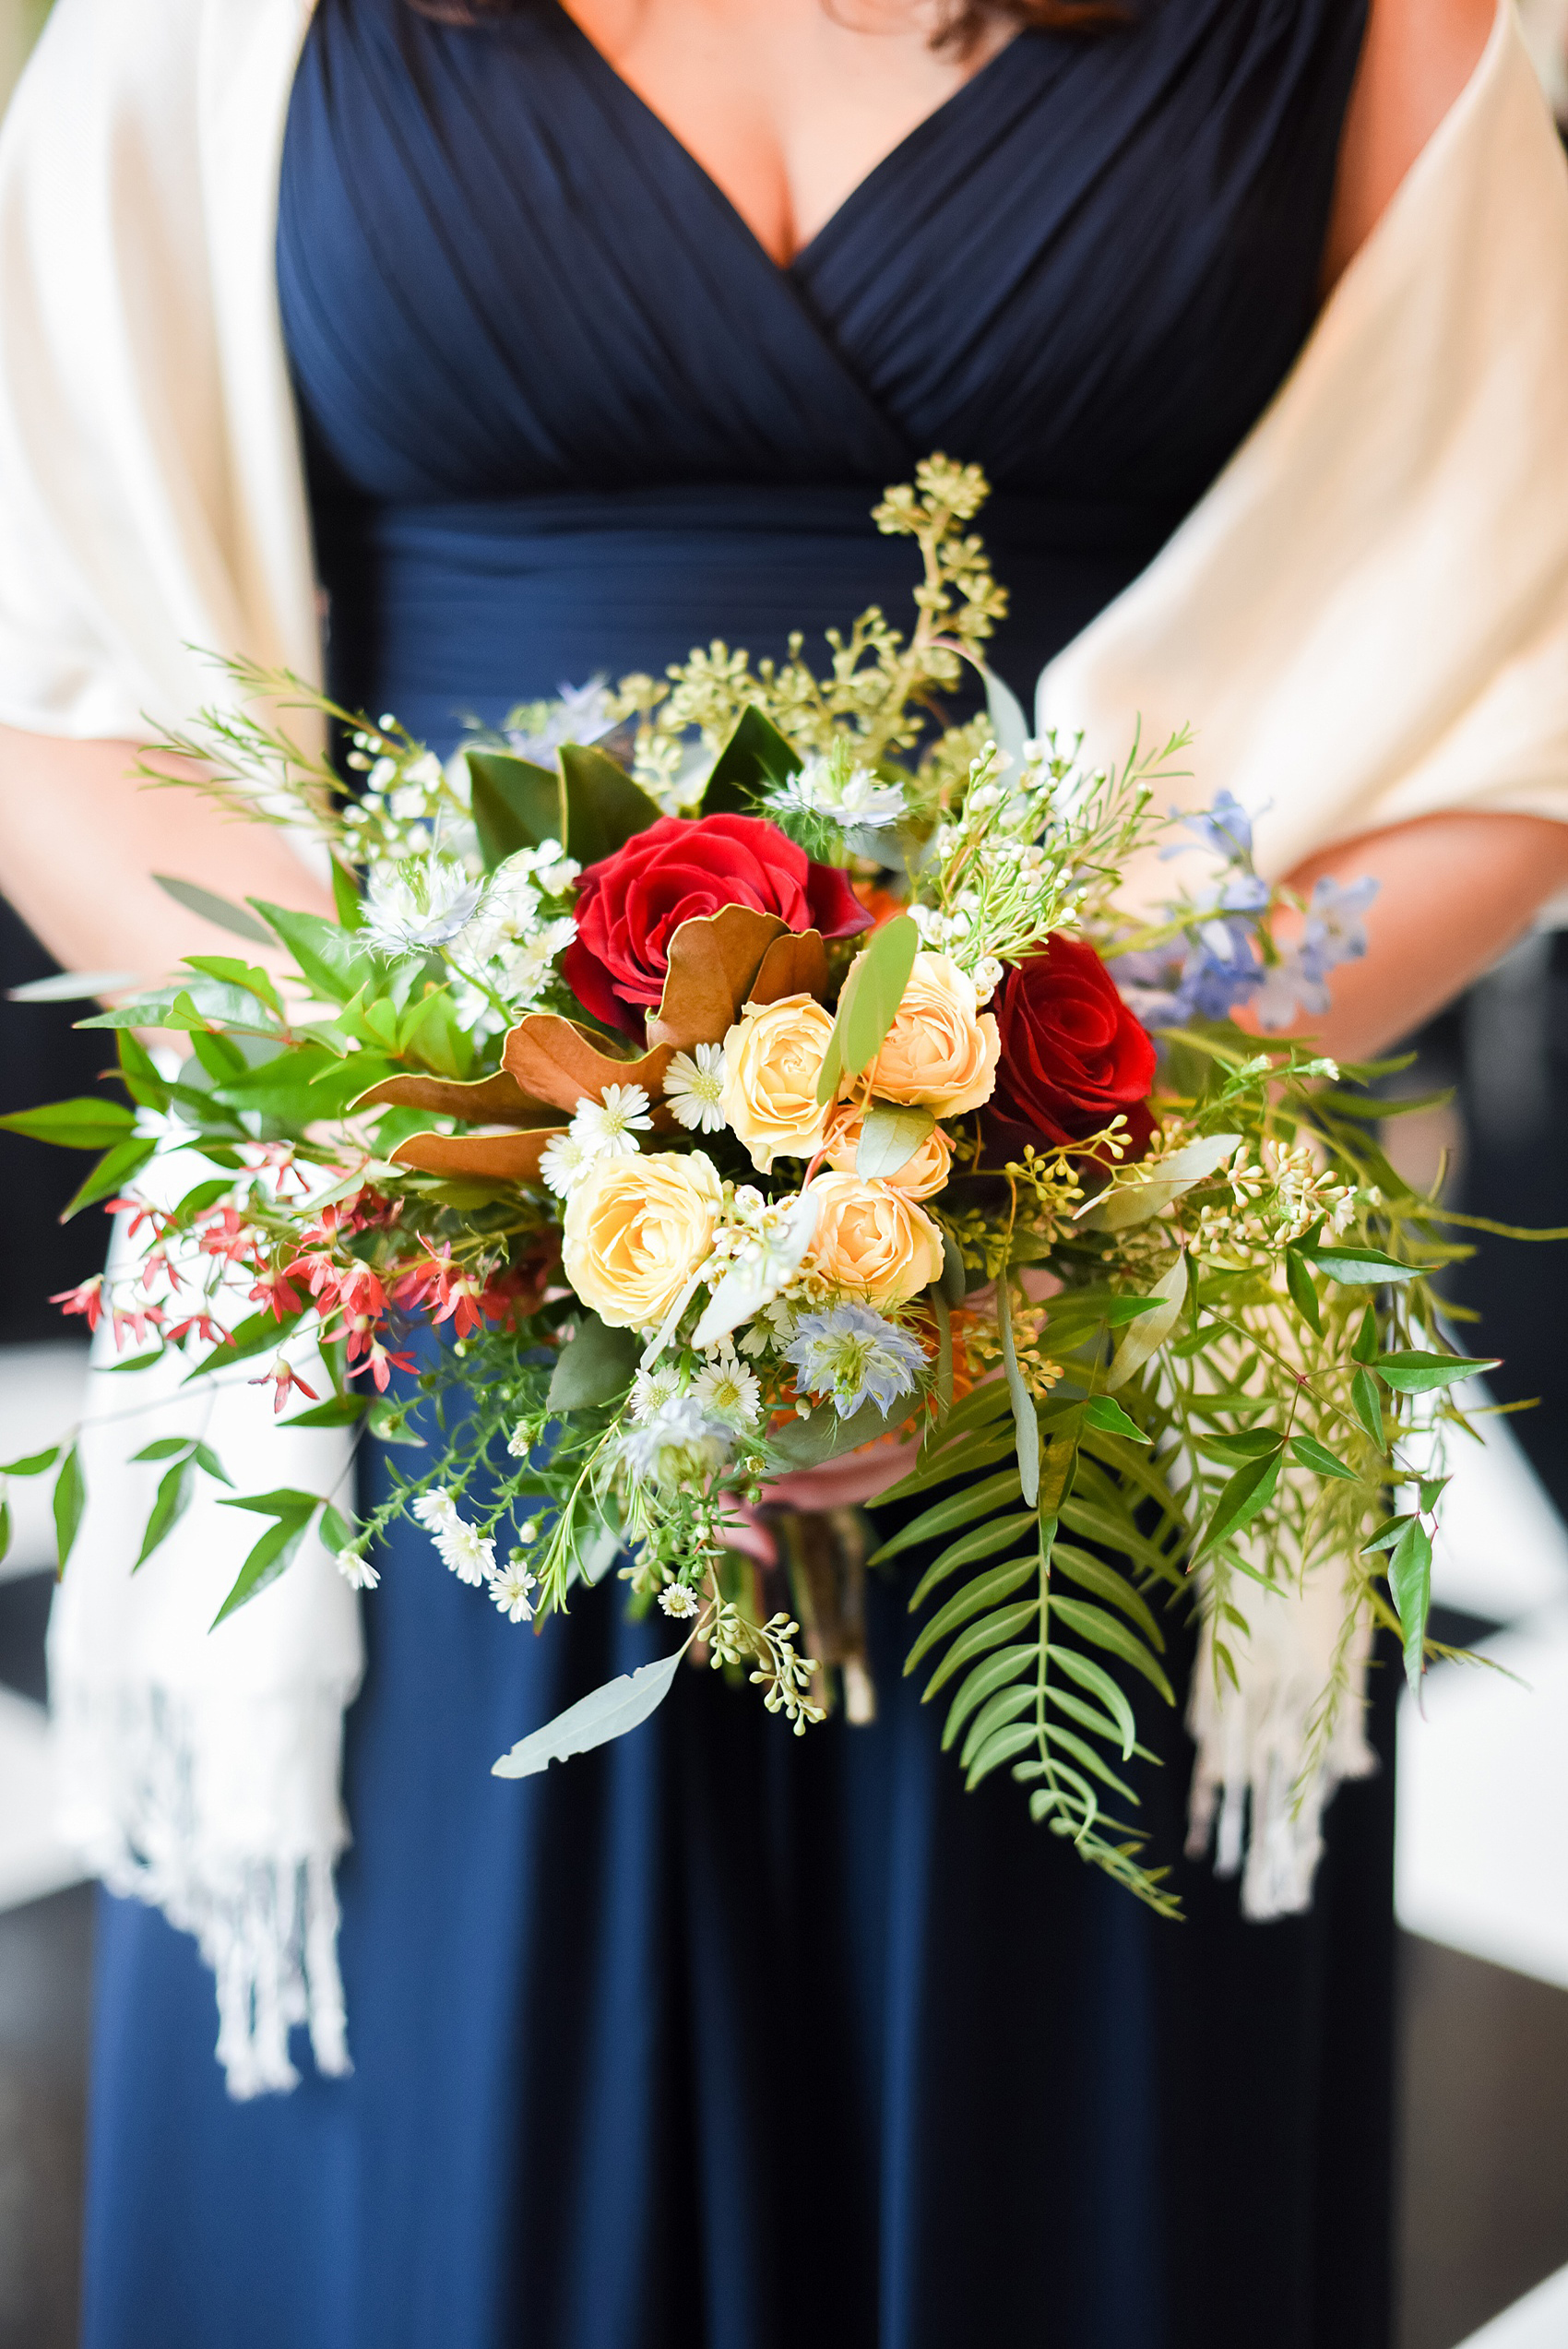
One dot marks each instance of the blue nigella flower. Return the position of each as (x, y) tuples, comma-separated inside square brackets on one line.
[(853, 1354)]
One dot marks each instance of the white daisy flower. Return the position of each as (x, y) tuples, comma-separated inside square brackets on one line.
[(651, 1390), (356, 1572), (437, 1513), (731, 1391), (469, 1554), (509, 1588), (609, 1128), (561, 1162), (692, 1083), (676, 1599)]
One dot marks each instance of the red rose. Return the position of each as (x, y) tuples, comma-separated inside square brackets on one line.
[(630, 905), (1072, 1053)]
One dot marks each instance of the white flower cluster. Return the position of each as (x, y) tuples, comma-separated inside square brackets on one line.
[(997, 889), (848, 795), (607, 1129), (471, 1555), (409, 797)]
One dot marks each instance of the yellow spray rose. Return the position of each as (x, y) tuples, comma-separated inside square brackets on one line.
[(637, 1229), (942, 1049), (872, 1240), (773, 1057), (924, 1173)]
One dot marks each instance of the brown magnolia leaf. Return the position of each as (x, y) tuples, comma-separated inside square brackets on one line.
[(795, 964), (549, 1058), (714, 963), (509, 1157), (495, 1100)]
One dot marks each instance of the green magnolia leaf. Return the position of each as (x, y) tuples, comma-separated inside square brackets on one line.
[(33, 1465), (755, 757), (173, 1500), (345, 896), (70, 1499), (1409, 1580), (890, 1135), (1311, 1454), (609, 1712), (1388, 1534), (216, 909), (272, 1555), (1026, 1422), (514, 805), (1361, 1267), (868, 1002), (111, 1173), (82, 1124), (1248, 1493), (604, 808), (1304, 1294), (985, 1592), (595, 1367), (1413, 1373), (1368, 1407), (1147, 1334), (328, 957), (1105, 1413)]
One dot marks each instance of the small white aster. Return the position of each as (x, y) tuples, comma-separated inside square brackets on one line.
[(509, 1587), (517, 1442), (692, 1084), (437, 1513), (562, 1162), (356, 1572), (609, 1128), (469, 1554), (678, 1601), (731, 1391), (651, 1390)]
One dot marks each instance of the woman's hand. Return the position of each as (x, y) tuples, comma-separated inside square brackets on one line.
[(82, 837), (1455, 892)]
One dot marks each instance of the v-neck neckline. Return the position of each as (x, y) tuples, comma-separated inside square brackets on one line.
[(841, 212)]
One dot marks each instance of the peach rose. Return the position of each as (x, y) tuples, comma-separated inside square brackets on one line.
[(873, 1240), (942, 1049), (773, 1057), (637, 1229), (924, 1173)]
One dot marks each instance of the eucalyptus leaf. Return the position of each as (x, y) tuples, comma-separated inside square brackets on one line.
[(1168, 1179), (595, 1367), (621, 1705), (71, 986), (1148, 1333), (216, 909), (868, 1003), (890, 1134)]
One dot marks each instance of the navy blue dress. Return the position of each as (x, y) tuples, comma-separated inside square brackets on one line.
[(718, 2040)]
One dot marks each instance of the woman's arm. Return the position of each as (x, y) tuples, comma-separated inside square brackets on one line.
[(1455, 892), (80, 839), (1415, 59)]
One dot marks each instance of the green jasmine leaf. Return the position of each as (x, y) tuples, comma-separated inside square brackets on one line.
[(1363, 1347), (33, 1465), (327, 958), (70, 1500), (83, 1124), (173, 1500), (274, 1553), (1409, 1580), (1368, 1407), (1361, 1267), (1388, 1534), (1315, 1455), (1246, 1496), (1411, 1372), (1303, 1294), (111, 1173), (345, 896), (1104, 1412)]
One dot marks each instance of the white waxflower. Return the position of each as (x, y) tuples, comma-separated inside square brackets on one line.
[(509, 1587), (561, 1162), (676, 1599), (422, 901), (986, 976), (692, 1083), (730, 1391), (609, 1128), (356, 1572)]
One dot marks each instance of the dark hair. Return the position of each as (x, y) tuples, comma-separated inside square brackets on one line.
[(963, 20)]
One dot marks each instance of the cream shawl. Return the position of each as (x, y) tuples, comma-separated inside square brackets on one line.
[(1365, 619)]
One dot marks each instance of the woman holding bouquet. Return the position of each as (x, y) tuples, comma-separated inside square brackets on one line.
[(604, 324)]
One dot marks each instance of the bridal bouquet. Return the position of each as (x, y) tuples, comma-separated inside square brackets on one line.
[(749, 1072)]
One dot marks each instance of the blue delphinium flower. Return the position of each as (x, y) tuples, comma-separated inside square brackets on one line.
[(855, 1355), (1333, 933), (1223, 827)]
